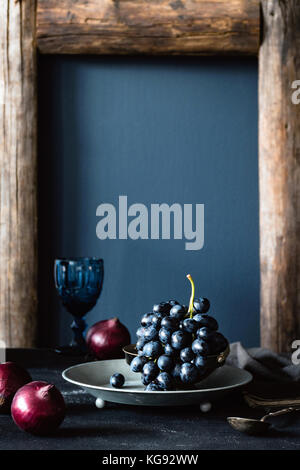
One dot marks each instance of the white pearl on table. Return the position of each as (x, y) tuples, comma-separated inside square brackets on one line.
[(100, 403), (205, 407)]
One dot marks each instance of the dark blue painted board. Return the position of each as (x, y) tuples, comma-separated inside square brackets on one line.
[(157, 130)]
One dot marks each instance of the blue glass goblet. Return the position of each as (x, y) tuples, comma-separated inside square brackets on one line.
[(79, 283)]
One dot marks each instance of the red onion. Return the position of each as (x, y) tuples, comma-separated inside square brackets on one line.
[(12, 377), (106, 339), (38, 408)]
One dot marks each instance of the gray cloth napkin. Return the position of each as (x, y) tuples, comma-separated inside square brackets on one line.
[(265, 365)]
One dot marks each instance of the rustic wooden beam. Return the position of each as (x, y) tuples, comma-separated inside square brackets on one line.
[(148, 27), (18, 184), (279, 170)]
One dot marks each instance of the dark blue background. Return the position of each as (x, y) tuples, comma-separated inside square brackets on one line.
[(157, 130)]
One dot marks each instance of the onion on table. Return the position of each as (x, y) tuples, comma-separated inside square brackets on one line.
[(12, 377), (106, 338), (38, 408)]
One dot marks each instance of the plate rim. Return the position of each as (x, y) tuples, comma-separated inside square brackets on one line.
[(248, 379)]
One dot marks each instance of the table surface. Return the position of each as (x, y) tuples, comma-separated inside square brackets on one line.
[(120, 427)]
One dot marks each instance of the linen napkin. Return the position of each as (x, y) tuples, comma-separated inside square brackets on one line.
[(276, 380)]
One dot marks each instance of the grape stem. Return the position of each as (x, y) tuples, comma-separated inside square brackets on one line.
[(191, 304)]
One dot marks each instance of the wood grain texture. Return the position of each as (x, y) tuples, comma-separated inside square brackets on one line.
[(18, 184), (148, 26), (279, 180)]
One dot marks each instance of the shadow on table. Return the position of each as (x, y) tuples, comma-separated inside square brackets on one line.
[(79, 408), (102, 430), (280, 433)]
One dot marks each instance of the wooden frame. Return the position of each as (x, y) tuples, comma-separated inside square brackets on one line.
[(227, 27)]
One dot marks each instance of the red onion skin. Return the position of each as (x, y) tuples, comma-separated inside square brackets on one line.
[(38, 408), (106, 338), (12, 377)]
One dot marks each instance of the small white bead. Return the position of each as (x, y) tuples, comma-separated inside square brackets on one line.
[(205, 407), (100, 403)]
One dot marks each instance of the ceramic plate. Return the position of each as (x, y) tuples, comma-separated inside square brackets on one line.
[(94, 378)]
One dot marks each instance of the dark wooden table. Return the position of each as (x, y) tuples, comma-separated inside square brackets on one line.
[(132, 427)]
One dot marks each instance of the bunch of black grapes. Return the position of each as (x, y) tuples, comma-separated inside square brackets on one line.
[(175, 344)]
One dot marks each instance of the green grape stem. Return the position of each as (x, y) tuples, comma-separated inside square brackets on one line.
[(191, 304)]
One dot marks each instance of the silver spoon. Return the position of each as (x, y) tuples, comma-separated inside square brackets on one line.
[(256, 426)]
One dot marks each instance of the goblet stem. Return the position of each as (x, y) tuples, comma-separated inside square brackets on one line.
[(78, 326)]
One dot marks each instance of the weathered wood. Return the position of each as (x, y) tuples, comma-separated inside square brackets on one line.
[(279, 169), (148, 26), (18, 185)]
